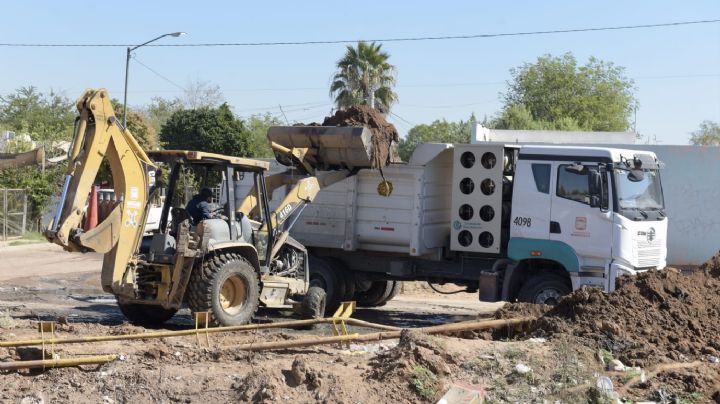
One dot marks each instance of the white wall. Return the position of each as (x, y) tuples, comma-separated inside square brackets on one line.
[(482, 134)]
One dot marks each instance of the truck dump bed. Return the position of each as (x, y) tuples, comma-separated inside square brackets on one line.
[(350, 215)]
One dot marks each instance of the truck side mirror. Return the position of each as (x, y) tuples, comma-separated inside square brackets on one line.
[(597, 188)]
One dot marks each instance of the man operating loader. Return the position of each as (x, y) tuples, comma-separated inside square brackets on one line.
[(199, 206)]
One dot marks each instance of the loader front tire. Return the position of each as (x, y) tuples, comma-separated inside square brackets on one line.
[(146, 315), (227, 286), (313, 304)]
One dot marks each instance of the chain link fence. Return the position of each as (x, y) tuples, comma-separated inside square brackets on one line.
[(13, 213)]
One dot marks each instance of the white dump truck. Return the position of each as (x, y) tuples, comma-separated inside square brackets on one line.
[(527, 223)]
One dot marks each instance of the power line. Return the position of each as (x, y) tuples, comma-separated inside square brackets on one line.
[(307, 104), (159, 75), (402, 119), (675, 76), (405, 39), (449, 106)]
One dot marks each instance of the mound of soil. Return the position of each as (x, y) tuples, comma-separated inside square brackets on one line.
[(383, 132), (652, 318), (416, 357)]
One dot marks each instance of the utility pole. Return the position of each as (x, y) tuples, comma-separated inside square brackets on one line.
[(127, 68)]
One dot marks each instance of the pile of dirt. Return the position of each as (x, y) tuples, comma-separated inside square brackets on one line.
[(418, 361), (383, 132), (653, 318)]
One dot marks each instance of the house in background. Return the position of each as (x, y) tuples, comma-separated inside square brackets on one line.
[(8, 138)]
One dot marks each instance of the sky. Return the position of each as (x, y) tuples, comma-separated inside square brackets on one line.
[(676, 69)]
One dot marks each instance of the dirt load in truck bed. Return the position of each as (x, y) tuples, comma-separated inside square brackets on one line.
[(384, 133), (654, 318)]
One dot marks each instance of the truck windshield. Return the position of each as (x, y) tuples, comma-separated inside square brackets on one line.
[(645, 194)]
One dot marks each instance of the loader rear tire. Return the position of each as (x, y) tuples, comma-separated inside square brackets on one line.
[(228, 287), (146, 315)]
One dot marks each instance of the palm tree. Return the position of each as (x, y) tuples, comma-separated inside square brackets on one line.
[(364, 76)]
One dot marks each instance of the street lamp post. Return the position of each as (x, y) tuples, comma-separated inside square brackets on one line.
[(127, 67)]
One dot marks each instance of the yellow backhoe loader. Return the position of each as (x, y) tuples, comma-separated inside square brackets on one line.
[(228, 265)]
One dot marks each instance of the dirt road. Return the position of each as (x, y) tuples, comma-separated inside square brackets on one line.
[(44, 259), (49, 282)]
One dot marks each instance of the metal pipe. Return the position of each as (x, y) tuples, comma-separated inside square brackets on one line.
[(296, 343), (453, 327), (392, 332), (180, 333), (439, 329), (57, 363)]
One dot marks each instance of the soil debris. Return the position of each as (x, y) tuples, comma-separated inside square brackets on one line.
[(417, 360), (653, 318), (383, 132)]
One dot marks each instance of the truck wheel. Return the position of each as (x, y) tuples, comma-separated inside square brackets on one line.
[(375, 295), (544, 289), (324, 277), (146, 314), (393, 290), (227, 286), (313, 304), (345, 276)]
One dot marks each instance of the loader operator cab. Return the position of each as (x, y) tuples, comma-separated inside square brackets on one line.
[(210, 221)]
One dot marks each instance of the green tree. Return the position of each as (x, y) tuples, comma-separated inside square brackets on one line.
[(439, 131), (258, 125), (201, 94), (364, 76), (214, 130), (139, 126), (41, 186), (707, 135), (160, 110), (556, 93), (47, 118)]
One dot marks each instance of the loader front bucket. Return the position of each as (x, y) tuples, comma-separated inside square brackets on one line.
[(330, 147)]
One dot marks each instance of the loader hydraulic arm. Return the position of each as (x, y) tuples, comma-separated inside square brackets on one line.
[(99, 135)]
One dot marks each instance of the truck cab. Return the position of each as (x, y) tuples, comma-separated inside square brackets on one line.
[(582, 216)]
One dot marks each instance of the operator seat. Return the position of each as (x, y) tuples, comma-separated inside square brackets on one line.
[(178, 215)]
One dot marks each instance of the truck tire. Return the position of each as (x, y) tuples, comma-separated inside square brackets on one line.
[(544, 289), (376, 295), (227, 286), (394, 287), (324, 277), (345, 276), (146, 315), (313, 304)]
